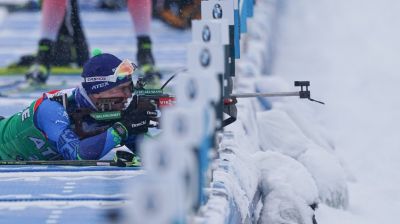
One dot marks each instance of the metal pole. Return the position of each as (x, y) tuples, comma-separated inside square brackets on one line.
[(247, 95)]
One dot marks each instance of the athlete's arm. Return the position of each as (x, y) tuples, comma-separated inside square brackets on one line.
[(52, 119)]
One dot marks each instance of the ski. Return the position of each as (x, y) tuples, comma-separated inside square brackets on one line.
[(119, 163), (7, 87), (55, 70), (20, 88), (11, 85), (42, 87)]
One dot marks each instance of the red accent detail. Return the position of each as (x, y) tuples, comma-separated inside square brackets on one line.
[(166, 101), (39, 101), (44, 96), (228, 101)]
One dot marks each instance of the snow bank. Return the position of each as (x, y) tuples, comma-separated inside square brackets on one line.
[(281, 134), (328, 174), (288, 189)]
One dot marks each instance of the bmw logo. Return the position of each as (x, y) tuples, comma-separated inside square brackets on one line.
[(217, 11), (162, 160), (205, 57), (192, 89), (180, 125), (151, 204), (206, 34)]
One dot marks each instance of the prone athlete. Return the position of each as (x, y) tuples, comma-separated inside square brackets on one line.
[(50, 128)]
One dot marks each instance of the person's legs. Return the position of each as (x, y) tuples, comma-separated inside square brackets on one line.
[(140, 11), (53, 12)]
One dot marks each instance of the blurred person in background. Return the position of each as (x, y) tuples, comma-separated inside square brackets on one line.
[(54, 13)]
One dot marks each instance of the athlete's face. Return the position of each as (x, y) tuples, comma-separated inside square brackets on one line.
[(123, 92)]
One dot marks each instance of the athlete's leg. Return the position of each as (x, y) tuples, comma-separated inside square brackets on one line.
[(53, 12), (140, 11)]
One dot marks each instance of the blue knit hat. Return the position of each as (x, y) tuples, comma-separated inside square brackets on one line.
[(98, 73)]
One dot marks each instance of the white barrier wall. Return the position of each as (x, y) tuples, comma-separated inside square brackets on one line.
[(194, 180)]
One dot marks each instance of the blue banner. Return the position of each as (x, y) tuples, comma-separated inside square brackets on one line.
[(237, 33)]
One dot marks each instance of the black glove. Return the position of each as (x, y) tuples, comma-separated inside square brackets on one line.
[(124, 158), (136, 118)]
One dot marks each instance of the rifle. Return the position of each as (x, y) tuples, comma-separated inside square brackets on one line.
[(142, 99), (145, 97), (156, 96)]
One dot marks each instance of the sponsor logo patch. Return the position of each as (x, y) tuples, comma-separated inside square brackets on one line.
[(101, 85), (96, 79), (138, 124)]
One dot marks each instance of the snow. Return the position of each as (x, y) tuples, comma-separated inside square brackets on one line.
[(281, 134), (285, 207), (349, 51), (329, 176), (13, 1), (3, 14)]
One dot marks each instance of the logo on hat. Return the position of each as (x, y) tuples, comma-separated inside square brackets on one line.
[(105, 71), (96, 79), (101, 85)]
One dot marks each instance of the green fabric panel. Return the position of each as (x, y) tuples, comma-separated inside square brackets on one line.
[(21, 140)]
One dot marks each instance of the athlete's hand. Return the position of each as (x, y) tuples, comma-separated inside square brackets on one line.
[(136, 118), (140, 104)]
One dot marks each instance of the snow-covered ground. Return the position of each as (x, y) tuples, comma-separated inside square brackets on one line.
[(350, 50)]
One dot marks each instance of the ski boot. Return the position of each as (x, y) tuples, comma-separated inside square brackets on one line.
[(146, 63), (40, 70)]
